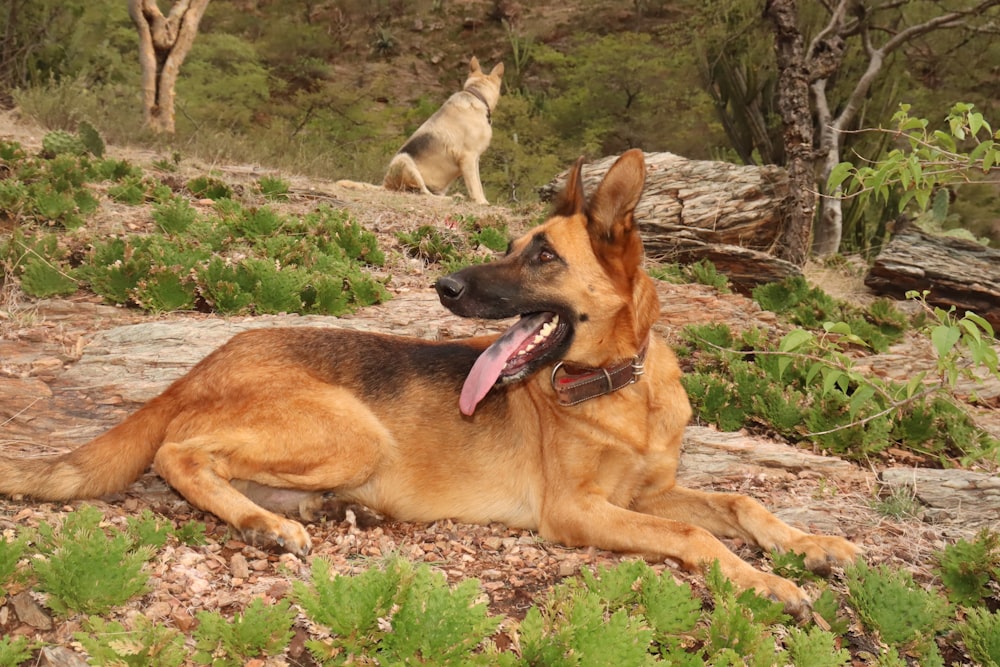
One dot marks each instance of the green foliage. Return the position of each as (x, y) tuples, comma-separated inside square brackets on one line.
[(889, 602), (703, 271), (174, 216), (966, 568), (261, 630), (208, 187), (807, 386), (933, 158), (148, 529), (882, 325), (191, 533), (400, 613), (41, 278), (146, 645), (85, 570), (815, 647), (738, 627), (15, 650), (981, 633), (273, 188), (248, 259), (60, 142), (11, 551), (431, 244), (131, 191)]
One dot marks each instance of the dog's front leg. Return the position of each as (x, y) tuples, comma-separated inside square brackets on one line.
[(593, 521), (470, 174), (734, 515)]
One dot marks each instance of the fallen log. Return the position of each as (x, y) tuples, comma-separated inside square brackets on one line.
[(731, 215), (957, 272)]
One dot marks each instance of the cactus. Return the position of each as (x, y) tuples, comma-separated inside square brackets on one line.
[(60, 142)]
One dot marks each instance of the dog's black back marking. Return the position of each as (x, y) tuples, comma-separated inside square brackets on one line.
[(419, 144)]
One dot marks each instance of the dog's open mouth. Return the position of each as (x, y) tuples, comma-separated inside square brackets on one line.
[(511, 356)]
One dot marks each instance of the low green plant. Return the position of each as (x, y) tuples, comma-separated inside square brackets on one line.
[(11, 551), (881, 325), (906, 616), (702, 272), (61, 142), (433, 245), (191, 533), (966, 568), (147, 644), (174, 216), (400, 614), (981, 633), (209, 187), (15, 650), (806, 386), (83, 569), (273, 188), (261, 630)]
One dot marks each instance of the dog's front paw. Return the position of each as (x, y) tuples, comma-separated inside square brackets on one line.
[(273, 531), (824, 551), (796, 602)]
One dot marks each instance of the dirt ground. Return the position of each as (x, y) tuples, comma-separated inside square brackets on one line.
[(44, 407)]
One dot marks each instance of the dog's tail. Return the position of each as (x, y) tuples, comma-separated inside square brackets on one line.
[(106, 464), (358, 185)]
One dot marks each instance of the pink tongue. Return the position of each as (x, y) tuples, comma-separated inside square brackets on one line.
[(490, 363)]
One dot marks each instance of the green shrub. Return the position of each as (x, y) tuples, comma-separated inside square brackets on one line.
[(981, 634), (11, 552), (398, 614), (890, 603), (966, 568), (147, 644), (15, 650), (207, 187), (85, 570), (261, 630), (174, 216)]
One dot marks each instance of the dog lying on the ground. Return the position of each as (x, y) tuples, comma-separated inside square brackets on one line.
[(568, 424), (451, 141)]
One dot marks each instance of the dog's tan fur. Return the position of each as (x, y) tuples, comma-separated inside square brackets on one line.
[(374, 418), (450, 142)]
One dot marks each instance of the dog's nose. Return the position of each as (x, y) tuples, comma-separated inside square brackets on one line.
[(449, 288)]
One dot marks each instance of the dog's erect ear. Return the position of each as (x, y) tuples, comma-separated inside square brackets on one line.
[(474, 65), (610, 215), (570, 200), (497, 71)]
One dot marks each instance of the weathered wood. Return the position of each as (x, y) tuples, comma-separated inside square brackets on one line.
[(697, 209), (958, 272), (948, 495)]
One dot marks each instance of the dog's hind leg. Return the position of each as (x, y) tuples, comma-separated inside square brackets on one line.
[(310, 440), (403, 175)]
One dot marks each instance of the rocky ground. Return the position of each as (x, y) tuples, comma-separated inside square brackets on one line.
[(71, 368)]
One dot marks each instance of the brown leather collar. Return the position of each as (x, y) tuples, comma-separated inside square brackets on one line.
[(479, 96), (587, 383)]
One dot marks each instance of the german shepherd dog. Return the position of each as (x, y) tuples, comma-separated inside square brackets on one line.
[(451, 141), (568, 424)]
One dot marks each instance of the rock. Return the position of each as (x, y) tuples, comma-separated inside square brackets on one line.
[(30, 612), (57, 656)]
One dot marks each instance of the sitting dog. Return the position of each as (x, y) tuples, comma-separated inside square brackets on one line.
[(450, 142)]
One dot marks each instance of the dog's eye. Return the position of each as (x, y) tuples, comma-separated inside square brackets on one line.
[(546, 255)]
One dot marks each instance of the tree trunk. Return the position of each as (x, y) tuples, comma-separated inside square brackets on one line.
[(164, 42), (794, 107), (734, 216), (957, 272)]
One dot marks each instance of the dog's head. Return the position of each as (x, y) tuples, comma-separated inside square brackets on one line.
[(576, 281), (487, 84)]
